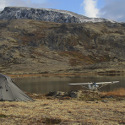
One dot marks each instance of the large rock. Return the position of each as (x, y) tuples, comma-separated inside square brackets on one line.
[(79, 94)]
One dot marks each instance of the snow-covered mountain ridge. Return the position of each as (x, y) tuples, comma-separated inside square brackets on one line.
[(50, 15)]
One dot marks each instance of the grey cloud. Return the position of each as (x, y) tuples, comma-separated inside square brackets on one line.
[(114, 9)]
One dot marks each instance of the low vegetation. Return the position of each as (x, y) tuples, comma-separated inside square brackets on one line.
[(64, 111), (31, 46), (120, 93)]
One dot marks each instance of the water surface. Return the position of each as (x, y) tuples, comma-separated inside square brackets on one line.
[(46, 84)]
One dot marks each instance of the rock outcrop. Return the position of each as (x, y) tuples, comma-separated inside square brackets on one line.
[(79, 94), (50, 15)]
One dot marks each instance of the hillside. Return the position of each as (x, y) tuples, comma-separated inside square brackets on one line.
[(30, 46)]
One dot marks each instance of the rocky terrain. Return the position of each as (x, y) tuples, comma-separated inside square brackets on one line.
[(29, 46), (49, 15)]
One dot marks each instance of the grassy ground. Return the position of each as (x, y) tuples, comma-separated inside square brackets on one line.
[(47, 111)]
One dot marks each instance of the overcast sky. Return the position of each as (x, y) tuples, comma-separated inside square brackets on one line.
[(110, 9)]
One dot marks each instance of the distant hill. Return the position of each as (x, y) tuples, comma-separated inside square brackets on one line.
[(35, 46), (28, 46), (50, 15)]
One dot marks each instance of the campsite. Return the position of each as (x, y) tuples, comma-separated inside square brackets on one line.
[(85, 108), (62, 62)]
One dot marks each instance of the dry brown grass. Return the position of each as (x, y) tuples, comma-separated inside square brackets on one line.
[(64, 112), (77, 58), (118, 92)]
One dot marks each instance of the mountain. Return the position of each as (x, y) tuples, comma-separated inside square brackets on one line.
[(30, 46), (50, 15)]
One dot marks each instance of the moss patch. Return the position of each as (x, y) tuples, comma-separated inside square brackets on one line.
[(2, 116)]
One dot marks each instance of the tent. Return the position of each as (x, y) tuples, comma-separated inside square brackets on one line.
[(10, 92)]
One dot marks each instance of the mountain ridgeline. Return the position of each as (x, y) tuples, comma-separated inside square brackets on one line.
[(29, 44), (49, 15)]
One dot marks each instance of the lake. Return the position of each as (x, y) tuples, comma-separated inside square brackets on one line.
[(43, 85)]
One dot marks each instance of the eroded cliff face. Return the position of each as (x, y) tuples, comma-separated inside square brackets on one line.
[(29, 46), (49, 15)]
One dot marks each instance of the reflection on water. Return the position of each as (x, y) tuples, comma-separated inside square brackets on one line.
[(46, 84)]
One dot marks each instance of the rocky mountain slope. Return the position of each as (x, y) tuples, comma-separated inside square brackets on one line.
[(50, 15), (31, 46)]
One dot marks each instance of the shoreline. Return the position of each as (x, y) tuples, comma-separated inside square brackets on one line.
[(102, 73), (49, 74)]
